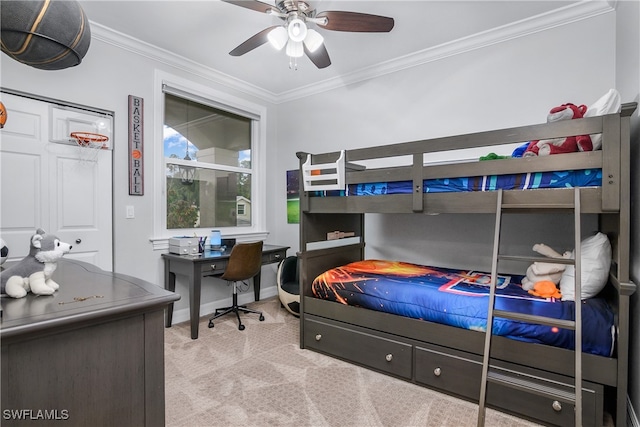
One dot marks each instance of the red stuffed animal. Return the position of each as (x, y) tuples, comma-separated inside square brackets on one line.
[(569, 144)]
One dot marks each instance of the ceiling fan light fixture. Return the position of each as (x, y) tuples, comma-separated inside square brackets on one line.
[(313, 40), (278, 37), (294, 49), (297, 30)]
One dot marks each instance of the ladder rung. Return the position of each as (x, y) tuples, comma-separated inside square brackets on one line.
[(538, 206), (540, 320), (530, 387), (567, 261)]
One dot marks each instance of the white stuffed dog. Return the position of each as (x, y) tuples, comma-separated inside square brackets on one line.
[(544, 271), (33, 272)]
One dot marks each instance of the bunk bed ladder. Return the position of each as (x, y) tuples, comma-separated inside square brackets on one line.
[(490, 374)]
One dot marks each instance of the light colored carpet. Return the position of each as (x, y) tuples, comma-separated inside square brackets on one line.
[(261, 377)]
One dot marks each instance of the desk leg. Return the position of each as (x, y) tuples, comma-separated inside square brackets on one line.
[(195, 280), (256, 286), (170, 285)]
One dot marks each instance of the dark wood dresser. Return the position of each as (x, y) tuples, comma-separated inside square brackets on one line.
[(91, 354)]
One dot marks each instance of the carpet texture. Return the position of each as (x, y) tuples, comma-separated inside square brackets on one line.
[(261, 377)]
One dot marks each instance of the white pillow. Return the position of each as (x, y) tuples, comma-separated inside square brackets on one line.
[(609, 103), (595, 264)]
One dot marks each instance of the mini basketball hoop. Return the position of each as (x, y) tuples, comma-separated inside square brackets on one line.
[(89, 145)]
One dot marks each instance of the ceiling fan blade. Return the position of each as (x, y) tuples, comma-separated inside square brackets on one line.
[(252, 42), (258, 6), (320, 57), (356, 22)]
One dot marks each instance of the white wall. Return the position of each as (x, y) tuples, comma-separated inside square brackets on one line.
[(628, 79), (502, 85), (106, 77)]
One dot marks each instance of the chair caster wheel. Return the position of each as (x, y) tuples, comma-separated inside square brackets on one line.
[(261, 318), (241, 327), (211, 323)]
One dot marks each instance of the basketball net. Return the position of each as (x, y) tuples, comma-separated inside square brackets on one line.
[(89, 145)]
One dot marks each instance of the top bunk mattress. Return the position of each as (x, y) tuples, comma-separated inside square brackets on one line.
[(522, 181), (460, 298)]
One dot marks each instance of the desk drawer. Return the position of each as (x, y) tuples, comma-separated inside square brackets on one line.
[(387, 355), (213, 268), (273, 257)]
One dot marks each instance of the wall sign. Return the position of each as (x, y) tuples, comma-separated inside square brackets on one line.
[(136, 142)]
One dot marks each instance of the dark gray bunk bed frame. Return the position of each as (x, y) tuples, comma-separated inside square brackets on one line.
[(446, 358)]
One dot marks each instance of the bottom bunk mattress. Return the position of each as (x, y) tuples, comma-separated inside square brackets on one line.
[(460, 298)]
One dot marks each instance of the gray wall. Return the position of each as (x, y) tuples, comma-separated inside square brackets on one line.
[(511, 83), (109, 73)]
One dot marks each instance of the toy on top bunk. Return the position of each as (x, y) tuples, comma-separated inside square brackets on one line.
[(569, 144), (544, 278), (609, 103)]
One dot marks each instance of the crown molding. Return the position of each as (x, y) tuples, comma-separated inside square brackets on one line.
[(562, 16), (559, 17), (155, 53)]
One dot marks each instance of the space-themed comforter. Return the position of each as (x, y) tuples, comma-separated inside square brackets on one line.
[(460, 298)]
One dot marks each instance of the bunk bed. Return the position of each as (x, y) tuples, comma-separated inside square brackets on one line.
[(334, 196)]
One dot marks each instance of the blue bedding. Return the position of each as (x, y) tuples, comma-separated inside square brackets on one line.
[(460, 298), (524, 181)]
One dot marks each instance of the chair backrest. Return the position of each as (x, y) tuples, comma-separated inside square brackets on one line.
[(288, 271), (245, 261)]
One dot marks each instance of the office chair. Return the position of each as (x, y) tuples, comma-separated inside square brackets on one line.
[(245, 262), (288, 286)]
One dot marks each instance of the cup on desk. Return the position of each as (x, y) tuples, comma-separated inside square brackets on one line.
[(201, 244)]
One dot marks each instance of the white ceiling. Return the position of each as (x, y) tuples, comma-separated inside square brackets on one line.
[(205, 31)]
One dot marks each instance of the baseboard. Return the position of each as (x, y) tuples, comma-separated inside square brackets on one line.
[(632, 418), (182, 315)]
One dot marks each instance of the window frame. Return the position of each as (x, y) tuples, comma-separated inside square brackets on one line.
[(177, 86)]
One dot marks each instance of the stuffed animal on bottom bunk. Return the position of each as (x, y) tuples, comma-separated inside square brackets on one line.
[(541, 274), (33, 272), (569, 144)]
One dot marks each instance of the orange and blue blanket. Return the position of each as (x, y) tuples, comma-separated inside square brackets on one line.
[(460, 298)]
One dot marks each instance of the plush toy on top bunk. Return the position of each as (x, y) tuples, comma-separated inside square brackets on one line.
[(569, 144)]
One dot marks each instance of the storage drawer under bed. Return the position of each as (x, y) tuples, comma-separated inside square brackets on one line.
[(379, 353), (454, 372), (461, 373)]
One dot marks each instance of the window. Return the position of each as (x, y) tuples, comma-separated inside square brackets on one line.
[(208, 165), (215, 142)]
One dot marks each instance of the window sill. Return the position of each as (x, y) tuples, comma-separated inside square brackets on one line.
[(162, 243)]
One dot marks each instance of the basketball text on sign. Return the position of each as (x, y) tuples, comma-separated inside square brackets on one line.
[(136, 141)]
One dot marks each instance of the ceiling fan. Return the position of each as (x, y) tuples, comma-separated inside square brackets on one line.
[(295, 33)]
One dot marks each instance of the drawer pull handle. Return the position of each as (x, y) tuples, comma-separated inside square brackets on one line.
[(277, 256), (389, 357), (213, 266), (437, 372), (318, 337), (557, 406)]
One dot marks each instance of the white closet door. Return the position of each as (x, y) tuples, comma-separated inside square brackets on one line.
[(47, 185)]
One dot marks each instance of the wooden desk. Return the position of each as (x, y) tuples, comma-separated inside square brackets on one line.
[(90, 354), (195, 267)]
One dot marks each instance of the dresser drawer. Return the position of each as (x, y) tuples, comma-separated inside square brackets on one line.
[(214, 268), (461, 374), (377, 353)]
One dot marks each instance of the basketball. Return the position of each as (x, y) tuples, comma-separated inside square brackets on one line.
[(136, 154), (49, 35)]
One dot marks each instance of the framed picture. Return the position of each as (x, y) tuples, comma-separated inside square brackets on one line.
[(293, 196)]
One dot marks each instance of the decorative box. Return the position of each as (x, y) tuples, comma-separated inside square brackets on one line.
[(183, 245)]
